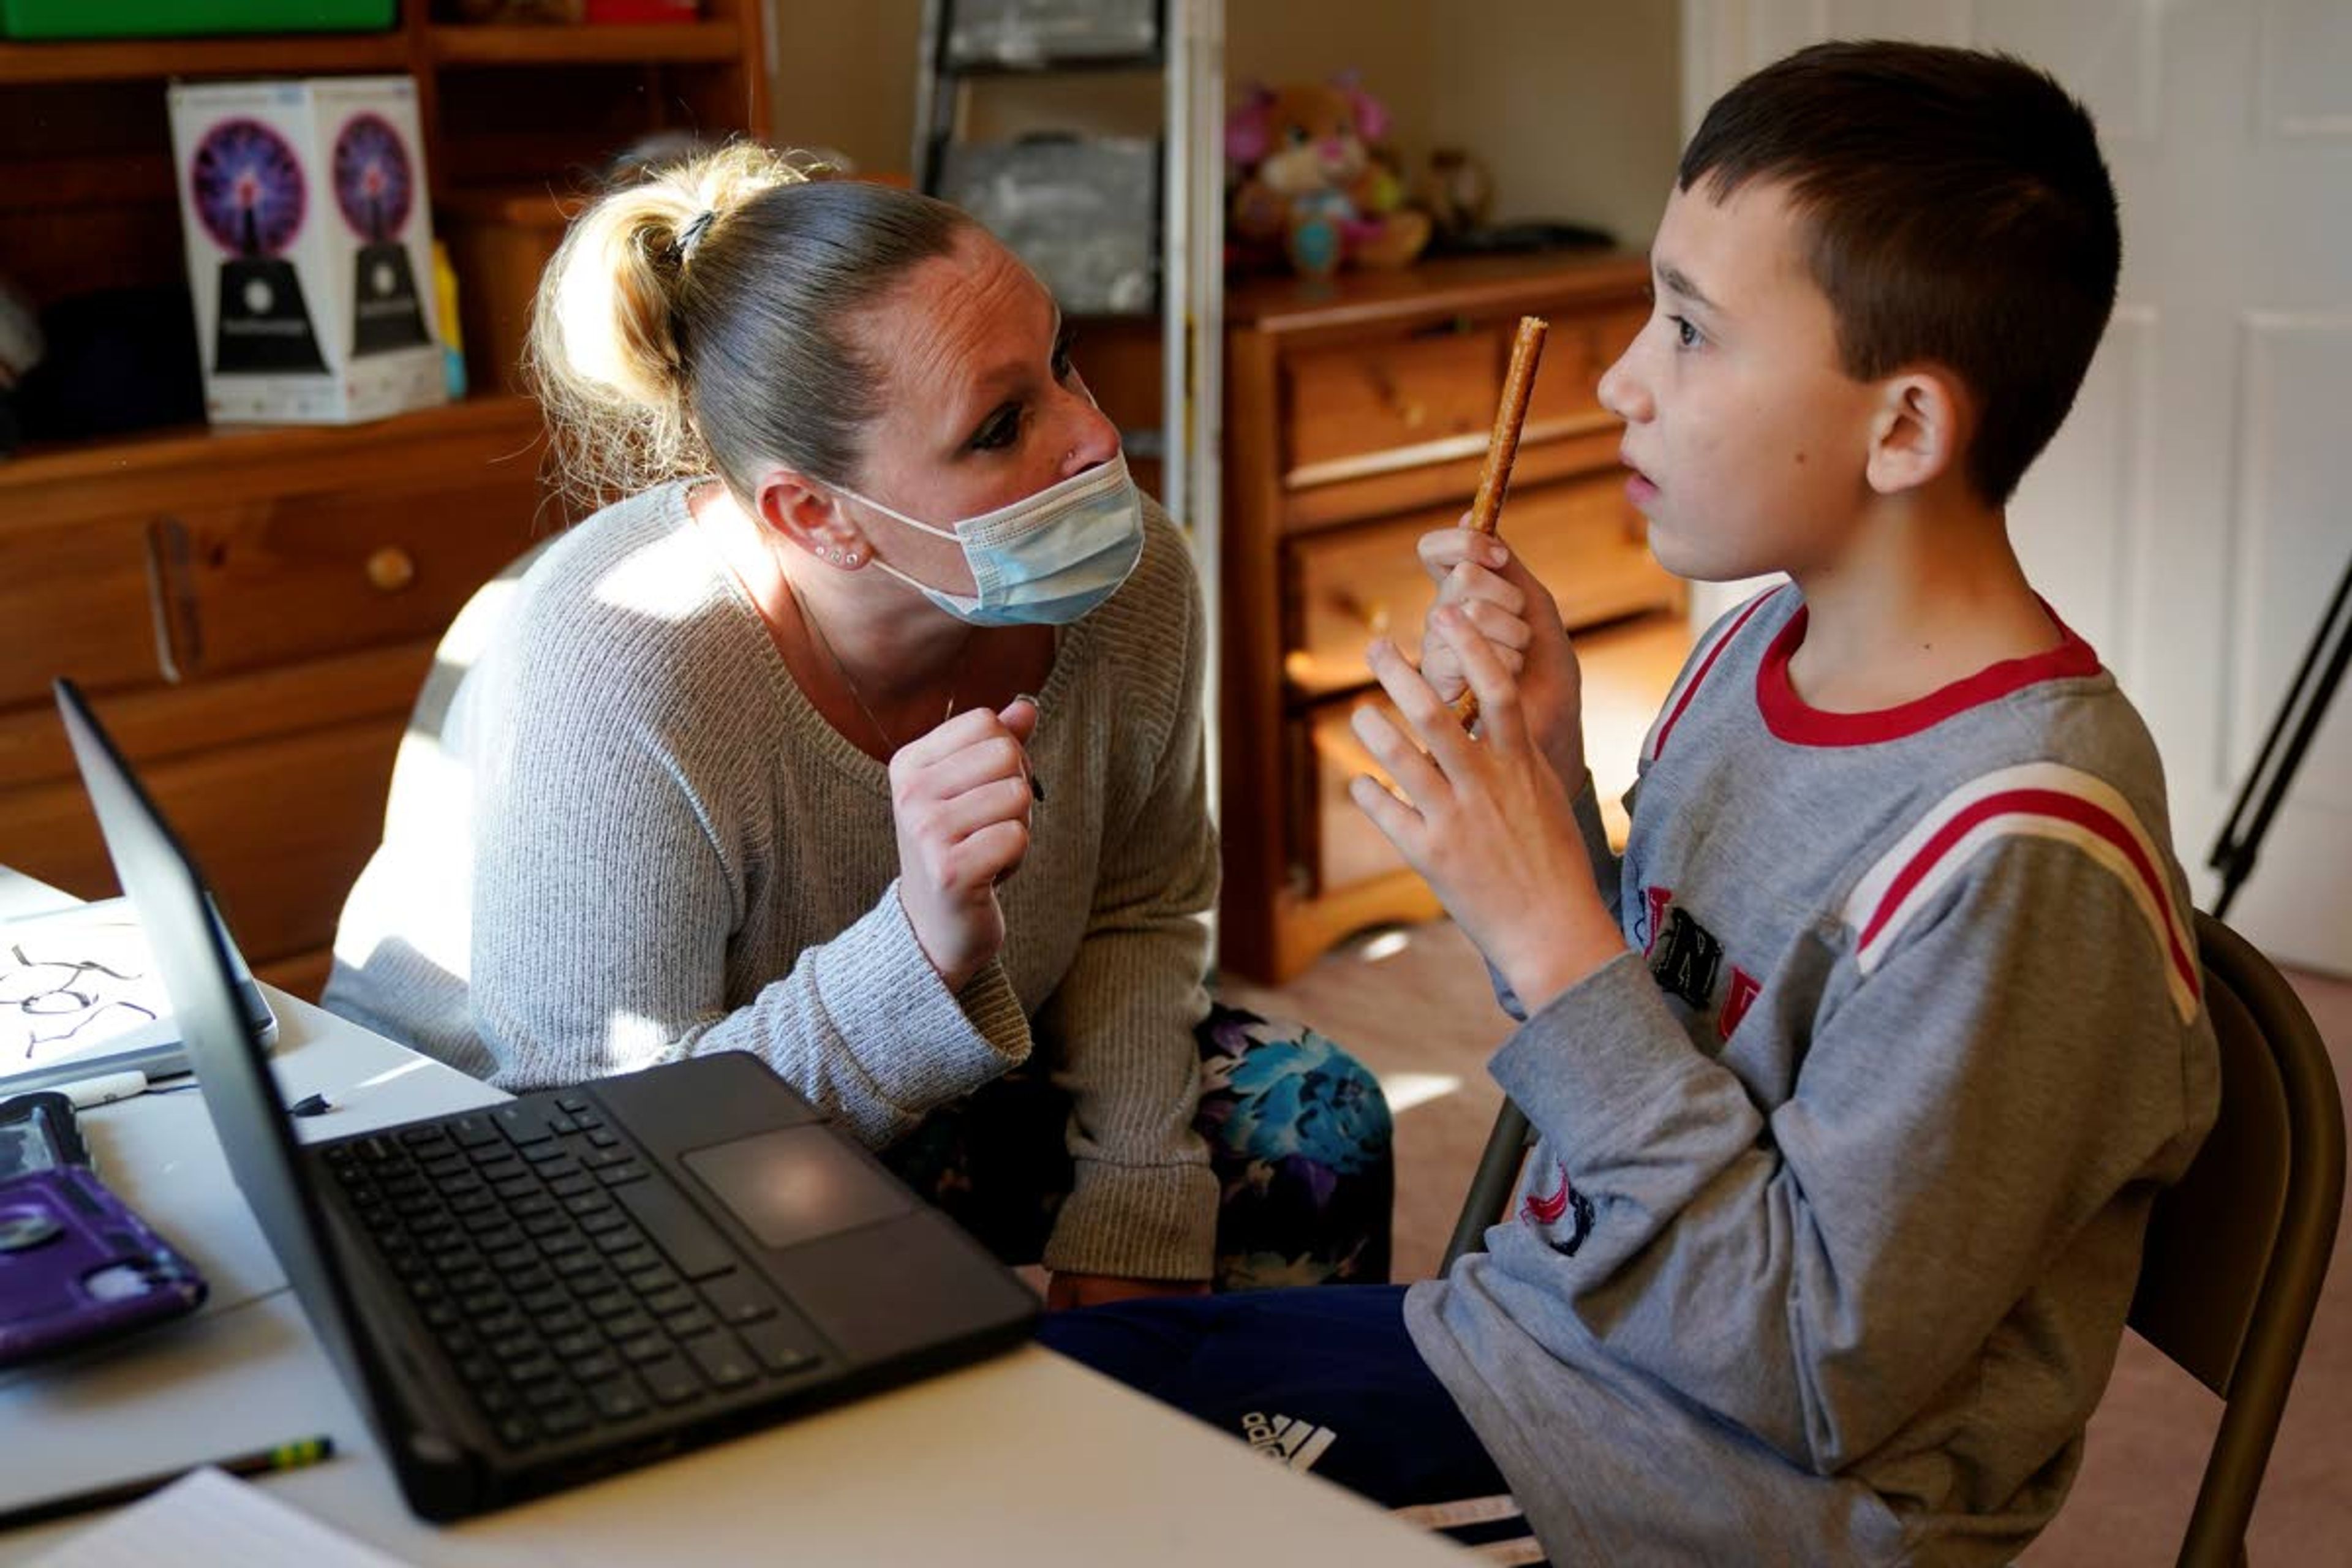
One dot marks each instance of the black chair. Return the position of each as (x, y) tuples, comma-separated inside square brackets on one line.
[(1492, 1184), (2237, 1249)]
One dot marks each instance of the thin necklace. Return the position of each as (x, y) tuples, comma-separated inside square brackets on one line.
[(816, 630)]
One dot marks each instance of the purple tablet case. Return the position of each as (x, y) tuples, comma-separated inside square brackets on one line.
[(78, 1267)]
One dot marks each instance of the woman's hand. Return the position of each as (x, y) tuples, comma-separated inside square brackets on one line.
[(961, 798), (1094, 1289), (1487, 823), (1509, 607)]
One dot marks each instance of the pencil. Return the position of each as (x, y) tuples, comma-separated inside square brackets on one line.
[(261, 1461)]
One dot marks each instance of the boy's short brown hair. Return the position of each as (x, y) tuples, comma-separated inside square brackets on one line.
[(1958, 213)]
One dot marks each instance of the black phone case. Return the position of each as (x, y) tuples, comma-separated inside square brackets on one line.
[(38, 1132)]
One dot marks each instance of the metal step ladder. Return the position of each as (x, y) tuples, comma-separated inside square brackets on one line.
[(993, 46)]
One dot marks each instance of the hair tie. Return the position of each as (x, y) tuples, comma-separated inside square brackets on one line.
[(692, 235)]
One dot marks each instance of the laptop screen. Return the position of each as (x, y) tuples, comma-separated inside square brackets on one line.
[(231, 1066)]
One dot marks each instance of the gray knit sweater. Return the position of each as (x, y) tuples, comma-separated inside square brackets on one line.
[(631, 838), (1825, 1251)]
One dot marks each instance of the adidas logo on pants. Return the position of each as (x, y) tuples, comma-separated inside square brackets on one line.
[(1296, 1443)]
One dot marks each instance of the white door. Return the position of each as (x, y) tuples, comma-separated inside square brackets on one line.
[(2195, 513)]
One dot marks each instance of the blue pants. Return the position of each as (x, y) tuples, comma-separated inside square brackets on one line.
[(1299, 1136), (1326, 1381)]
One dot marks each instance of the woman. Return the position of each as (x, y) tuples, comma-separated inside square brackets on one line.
[(864, 735)]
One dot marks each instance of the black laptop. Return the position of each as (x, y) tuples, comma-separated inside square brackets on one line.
[(576, 1281)]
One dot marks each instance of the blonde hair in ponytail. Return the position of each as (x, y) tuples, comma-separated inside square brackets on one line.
[(605, 356), (703, 320)]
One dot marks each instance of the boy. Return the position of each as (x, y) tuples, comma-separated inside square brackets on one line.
[(1856, 1079)]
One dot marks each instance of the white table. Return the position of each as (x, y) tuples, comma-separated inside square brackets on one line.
[(1025, 1459)]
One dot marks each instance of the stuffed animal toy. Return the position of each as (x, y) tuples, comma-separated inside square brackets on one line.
[(1308, 187), (1457, 191)]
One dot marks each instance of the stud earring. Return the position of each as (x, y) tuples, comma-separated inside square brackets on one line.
[(850, 559)]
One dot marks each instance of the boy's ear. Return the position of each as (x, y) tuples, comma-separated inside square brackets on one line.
[(808, 515), (1920, 429)]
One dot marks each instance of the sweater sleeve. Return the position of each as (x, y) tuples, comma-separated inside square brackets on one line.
[(601, 937), (1143, 1201), (2011, 1070)]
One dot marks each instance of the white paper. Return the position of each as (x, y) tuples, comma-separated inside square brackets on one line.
[(78, 981), (209, 1519)]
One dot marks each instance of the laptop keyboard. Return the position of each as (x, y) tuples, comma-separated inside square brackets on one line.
[(569, 1285)]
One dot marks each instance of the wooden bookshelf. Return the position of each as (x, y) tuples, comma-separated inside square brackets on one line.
[(682, 43), (253, 608), (323, 54)]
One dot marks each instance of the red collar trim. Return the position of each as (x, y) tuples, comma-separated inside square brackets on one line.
[(1791, 719)]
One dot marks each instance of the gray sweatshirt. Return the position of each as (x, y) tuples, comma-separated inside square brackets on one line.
[(1825, 1250), (631, 838)]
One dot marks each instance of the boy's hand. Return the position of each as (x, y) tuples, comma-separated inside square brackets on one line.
[(1488, 823), (1509, 608), (959, 797)]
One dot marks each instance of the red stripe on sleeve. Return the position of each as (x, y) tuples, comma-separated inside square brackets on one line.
[(2035, 802)]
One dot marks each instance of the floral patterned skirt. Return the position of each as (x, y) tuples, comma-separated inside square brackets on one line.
[(1299, 1135)]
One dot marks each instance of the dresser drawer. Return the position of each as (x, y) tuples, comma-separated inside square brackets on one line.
[(1339, 847), (279, 829), (1628, 668), (74, 600), (293, 577), (1578, 535), (1400, 392), (1578, 349)]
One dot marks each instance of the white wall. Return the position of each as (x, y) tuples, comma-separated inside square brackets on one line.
[(846, 77), (1573, 107), (1386, 42), (1576, 108)]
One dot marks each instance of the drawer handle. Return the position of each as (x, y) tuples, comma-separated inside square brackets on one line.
[(391, 569), (172, 599), (1374, 616), (1409, 412), (1453, 326)]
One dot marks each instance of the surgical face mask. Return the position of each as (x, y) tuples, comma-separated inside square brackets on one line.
[(1045, 561)]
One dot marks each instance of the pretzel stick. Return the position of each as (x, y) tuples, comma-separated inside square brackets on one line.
[(1502, 446)]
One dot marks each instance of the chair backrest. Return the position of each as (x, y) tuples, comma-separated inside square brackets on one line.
[(2237, 1249), (1492, 1184)]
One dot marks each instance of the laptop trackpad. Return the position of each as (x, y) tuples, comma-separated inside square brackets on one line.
[(795, 1184)]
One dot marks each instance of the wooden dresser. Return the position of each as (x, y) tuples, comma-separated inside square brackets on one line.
[(252, 610), (1357, 417)]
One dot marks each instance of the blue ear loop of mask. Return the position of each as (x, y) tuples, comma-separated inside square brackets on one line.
[(1047, 560)]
